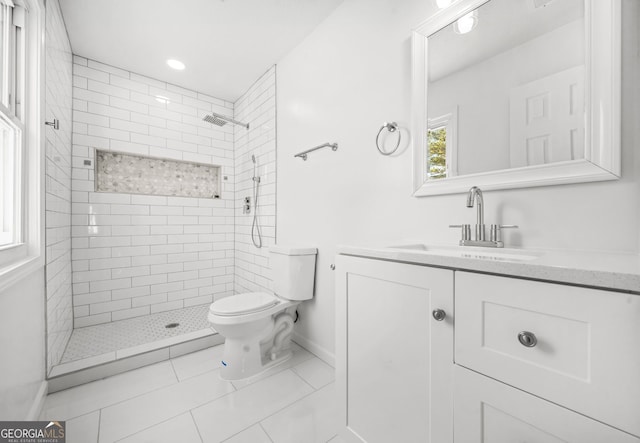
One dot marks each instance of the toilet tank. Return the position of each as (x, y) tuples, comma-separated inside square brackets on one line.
[(293, 271)]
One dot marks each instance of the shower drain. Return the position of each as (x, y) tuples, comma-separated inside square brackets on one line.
[(172, 325)]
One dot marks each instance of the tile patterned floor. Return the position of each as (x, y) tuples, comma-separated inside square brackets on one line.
[(107, 337), (184, 400)]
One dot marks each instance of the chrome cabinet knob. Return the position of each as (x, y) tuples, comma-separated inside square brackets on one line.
[(439, 314), (527, 339)]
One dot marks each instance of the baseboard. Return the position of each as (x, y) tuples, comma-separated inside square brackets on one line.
[(38, 402), (320, 352)]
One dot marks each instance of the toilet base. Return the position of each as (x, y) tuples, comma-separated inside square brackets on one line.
[(240, 366), (252, 354)]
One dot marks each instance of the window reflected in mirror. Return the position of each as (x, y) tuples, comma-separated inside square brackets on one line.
[(437, 157), (442, 146)]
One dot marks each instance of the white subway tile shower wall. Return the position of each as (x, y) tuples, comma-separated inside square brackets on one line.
[(258, 108), (58, 185), (137, 254)]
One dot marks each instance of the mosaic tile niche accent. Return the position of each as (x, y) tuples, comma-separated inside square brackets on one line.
[(134, 174)]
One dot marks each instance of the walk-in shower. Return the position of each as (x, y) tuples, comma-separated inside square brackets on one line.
[(221, 120), (135, 285)]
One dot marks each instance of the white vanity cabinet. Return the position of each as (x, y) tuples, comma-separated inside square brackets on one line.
[(394, 360), (531, 361)]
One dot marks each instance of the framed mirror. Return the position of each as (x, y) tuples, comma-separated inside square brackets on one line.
[(516, 93)]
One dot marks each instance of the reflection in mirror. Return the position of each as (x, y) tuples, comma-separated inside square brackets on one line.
[(514, 69), (442, 148), (513, 93)]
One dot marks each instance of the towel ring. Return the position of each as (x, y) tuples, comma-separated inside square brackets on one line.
[(391, 127)]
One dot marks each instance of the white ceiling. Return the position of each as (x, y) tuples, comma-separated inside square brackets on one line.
[(225, 44)]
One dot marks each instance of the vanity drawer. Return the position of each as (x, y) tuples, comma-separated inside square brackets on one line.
[(489, 411), (586, 354)]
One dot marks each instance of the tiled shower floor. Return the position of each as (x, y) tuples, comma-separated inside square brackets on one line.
[(110, 348), (107, 337)]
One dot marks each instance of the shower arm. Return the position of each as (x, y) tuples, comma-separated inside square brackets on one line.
[(235, 122)]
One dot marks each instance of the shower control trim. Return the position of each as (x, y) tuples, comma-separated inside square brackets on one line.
[(246, 207)]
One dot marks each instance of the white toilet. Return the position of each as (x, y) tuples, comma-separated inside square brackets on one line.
[(257, 326)]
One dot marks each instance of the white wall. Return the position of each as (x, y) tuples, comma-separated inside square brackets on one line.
[(351, 75), (137, 254), (257, 107), (58, 185), (22, 346)]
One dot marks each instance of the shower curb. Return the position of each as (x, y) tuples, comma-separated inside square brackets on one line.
[(154, 353)]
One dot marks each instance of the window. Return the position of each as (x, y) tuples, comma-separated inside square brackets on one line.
[(21, 150), (441, 146), (12, 75)]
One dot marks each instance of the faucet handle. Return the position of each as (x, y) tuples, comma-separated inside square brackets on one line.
[(495, 232), (465, 231)]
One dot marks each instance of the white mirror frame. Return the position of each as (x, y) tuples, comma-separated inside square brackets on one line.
[(602, 109)]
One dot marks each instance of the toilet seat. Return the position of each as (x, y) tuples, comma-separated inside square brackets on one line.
[(246, 303)]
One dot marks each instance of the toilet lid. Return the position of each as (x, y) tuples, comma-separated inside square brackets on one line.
[(243, 303)]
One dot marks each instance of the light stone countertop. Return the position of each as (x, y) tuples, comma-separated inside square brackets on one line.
[(620, 272)]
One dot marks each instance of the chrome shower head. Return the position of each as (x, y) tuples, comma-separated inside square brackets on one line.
[(215, 120), (221, 120), (253, 158)]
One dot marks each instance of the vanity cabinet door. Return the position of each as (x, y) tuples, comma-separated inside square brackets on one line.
[(576, 347), (491, 412), (393, 358)]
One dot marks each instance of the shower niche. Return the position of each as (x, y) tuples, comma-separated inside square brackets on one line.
[(136, 174)]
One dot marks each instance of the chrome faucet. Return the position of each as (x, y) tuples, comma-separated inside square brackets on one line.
[(475, 193), (480, 239)]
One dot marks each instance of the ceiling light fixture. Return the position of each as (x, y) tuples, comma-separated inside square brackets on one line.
[(175, 64), (466, 23)]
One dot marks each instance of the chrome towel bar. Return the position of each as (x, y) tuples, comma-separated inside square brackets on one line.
[(303, 154)]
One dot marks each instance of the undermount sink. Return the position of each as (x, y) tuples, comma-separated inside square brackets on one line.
[(505, 254)]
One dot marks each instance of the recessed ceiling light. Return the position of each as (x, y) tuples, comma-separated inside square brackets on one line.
[(175, 64)]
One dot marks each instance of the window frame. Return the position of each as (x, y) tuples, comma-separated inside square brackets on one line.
[(25, 254)]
